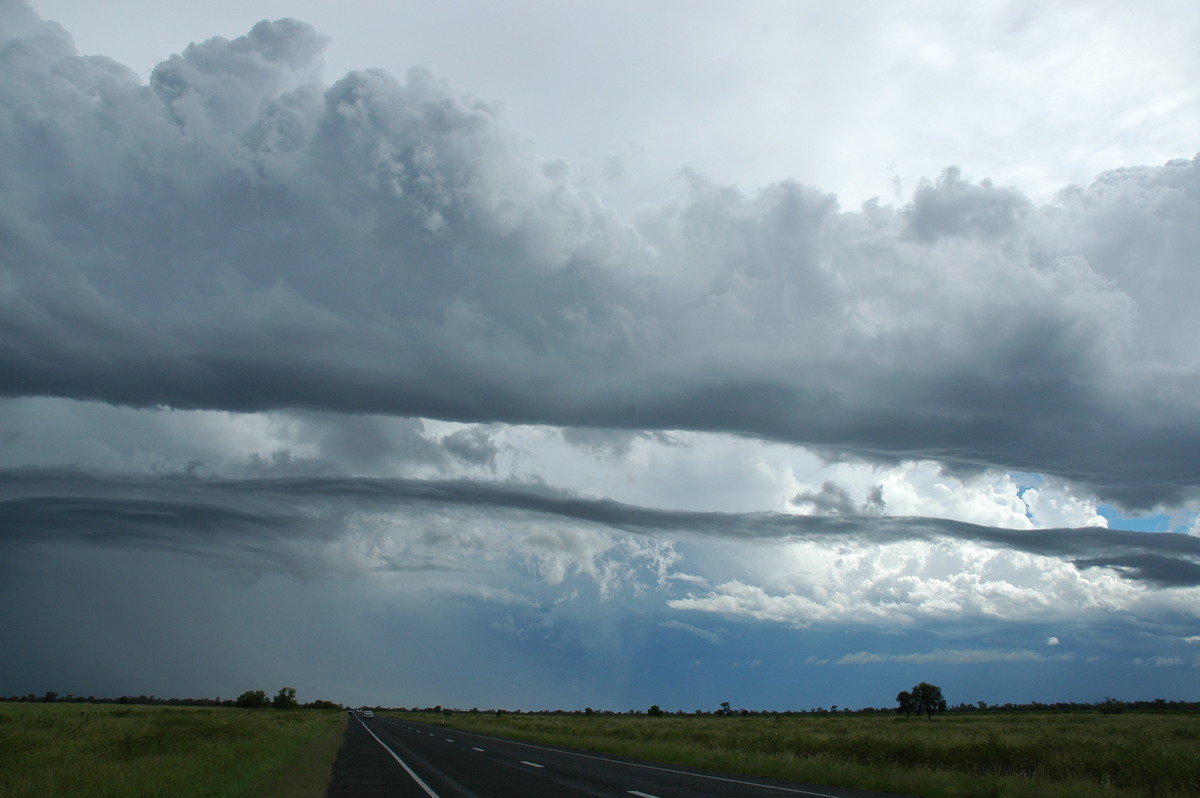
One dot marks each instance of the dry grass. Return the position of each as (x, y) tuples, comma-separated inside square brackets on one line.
[(1074, 754)]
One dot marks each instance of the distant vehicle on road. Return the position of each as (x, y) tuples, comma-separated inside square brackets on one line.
[(368, 713)]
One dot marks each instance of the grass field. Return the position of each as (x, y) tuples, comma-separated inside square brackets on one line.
[(113, 750), (1075, 754)]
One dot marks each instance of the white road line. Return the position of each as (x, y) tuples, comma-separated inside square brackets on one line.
[(792, 790), (641, 794), (449, 740), (480, 750), (403, 764), (532, 764)]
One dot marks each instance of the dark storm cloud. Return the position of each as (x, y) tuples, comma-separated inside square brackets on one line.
[(831, 499), (1167, 571), (472, 446), (236, 236), (250, 523)]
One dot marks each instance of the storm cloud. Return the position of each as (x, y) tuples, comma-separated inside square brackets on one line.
[(264, 518), (236, 235), (287, 358)]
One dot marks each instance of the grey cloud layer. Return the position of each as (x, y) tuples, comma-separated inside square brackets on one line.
[(237, 236), (250, 523)]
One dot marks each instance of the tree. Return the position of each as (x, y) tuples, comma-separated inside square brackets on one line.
[(322, 703), (928, 699), (654, 711), (252, 699), (285, 698), (907, 704), (725, 710)]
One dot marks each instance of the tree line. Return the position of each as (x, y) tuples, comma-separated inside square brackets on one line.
[(251, 699), (286, 698), (934, 701)]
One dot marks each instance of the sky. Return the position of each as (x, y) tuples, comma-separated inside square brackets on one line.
[(547, 355)]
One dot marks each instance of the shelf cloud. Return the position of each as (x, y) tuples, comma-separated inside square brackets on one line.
[(237, 236)]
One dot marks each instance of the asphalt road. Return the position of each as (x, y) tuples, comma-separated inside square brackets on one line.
[(391, 757)]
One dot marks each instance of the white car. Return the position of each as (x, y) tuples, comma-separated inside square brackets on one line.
[(368, 713)]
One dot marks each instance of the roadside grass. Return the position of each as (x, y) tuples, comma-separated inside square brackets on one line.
[(113, 750), (1022, 755)]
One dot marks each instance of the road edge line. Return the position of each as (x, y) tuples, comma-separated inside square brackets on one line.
[(428, 790)]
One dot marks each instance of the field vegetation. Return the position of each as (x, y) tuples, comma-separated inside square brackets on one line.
[(111, 750), (1043, 754)]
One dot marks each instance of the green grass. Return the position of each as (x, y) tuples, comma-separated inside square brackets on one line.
[(1047, 755), (113, 750)]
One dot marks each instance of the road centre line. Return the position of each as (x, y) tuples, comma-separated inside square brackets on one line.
[(532, 764), (403, 764), (641, 794), (652, 767)]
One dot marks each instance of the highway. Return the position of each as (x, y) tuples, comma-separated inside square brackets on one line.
[(392, 757)]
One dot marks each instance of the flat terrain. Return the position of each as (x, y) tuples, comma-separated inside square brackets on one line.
[(123, 750), (398, 758), (1077, 754), (92, 750)]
